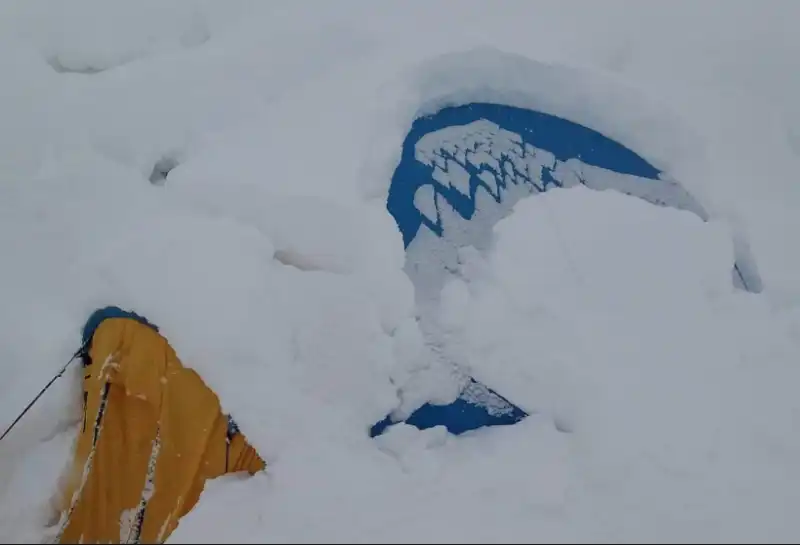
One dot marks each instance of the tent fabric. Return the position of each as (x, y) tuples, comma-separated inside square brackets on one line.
[(102, 314), (471, 163), (477, 406), (152, 434)]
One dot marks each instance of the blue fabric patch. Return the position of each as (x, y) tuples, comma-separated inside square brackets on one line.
[(102, 314), (563, 138), (476, 407)]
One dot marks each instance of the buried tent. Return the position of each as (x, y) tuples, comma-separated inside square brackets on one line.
[(463, 169), (152, 434)]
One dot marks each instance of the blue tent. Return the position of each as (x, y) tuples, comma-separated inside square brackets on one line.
[(507, 153), (476, 407)]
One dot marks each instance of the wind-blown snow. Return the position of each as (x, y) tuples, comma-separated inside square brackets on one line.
[(662, 400)]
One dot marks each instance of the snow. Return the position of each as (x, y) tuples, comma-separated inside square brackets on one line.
[(662, 398)]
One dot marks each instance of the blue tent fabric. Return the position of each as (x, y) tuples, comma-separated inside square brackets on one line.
[(564, 139), (527, 131), (466, 413), (102, 314)]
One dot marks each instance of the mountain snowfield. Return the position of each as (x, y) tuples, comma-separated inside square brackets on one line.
[(223, 167)]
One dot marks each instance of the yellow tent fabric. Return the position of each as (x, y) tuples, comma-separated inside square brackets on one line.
[(152, 434)]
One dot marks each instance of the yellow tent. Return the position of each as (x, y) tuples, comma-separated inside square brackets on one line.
[(152, 434)]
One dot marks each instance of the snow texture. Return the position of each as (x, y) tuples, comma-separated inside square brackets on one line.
[(222, 169)]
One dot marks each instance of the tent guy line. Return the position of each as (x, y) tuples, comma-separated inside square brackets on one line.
[(47, 386)]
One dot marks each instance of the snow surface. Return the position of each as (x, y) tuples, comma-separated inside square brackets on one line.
[(663, 401)]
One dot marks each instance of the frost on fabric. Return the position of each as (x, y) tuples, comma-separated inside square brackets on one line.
[(134, 518), (478, 394), (495, 168), (87, 467)]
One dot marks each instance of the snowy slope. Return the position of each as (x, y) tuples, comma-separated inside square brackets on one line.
[(662, 400)]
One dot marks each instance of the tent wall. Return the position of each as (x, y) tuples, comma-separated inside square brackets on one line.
[(152, 434)]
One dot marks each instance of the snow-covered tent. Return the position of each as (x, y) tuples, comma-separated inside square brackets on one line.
[(152, 435), (463, 169)]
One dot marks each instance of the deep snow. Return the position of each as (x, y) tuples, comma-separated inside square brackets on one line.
[(662, 399)]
